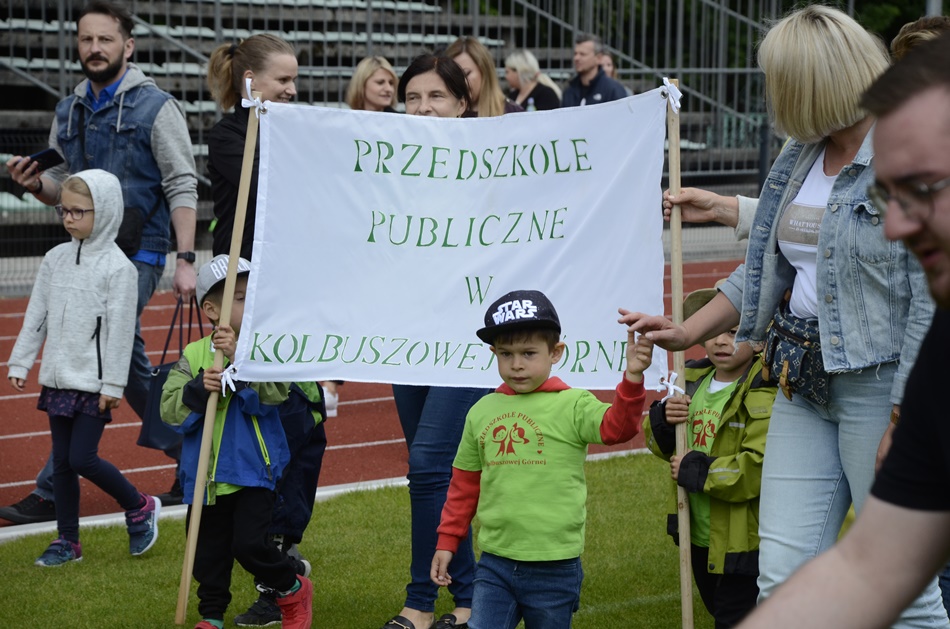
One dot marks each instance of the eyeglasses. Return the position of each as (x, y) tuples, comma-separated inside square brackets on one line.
[(915, 199), (74, 213)]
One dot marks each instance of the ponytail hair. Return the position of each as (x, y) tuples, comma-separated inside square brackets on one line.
[(229, 62)]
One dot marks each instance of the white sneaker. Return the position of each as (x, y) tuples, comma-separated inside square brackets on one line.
[(332, 401)]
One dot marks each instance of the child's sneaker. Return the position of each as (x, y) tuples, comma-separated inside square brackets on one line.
[(204, 624), (297, 608), (262, 613), (142, 525), (59, 552)]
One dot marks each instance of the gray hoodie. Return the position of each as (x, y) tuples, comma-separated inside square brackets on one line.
[(83, 305)]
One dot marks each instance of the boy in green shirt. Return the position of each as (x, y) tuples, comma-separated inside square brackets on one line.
[(521, 463), (728, 418)]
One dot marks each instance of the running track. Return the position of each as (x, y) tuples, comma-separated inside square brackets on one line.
[(365, 441)]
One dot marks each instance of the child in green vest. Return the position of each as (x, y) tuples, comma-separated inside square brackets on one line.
[(727, 411), (521, 463)]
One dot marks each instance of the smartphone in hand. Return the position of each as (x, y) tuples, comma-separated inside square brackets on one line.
[(46, 159)]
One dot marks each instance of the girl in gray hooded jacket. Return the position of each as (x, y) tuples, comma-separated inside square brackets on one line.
[(83, 306)]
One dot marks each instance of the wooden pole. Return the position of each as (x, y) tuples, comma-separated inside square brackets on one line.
[(679, 359), (197, 503)]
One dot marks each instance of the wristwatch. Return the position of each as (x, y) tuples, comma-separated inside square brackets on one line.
[(187, 256)]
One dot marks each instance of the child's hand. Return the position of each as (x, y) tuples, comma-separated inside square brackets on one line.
[(639, 355), (106, 401), (675, 461), (677, 409), (225, 340), (440, 565), (17, 383), (212, 379)]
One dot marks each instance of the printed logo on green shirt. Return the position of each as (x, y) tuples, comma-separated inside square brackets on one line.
[(512, 433)]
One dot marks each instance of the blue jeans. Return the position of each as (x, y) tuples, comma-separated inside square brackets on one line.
[(136, 391), (543, 593), (944, 580), (432, 420), (818, 460)]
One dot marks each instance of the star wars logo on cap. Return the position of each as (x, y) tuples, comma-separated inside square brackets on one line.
[(514, 310)]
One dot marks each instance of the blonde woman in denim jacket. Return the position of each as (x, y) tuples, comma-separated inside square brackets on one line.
[(867, 295)]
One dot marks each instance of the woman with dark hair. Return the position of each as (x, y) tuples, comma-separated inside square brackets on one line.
[(432, 418)]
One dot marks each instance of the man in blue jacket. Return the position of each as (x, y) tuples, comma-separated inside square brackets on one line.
[(591, 85), (117, 119)]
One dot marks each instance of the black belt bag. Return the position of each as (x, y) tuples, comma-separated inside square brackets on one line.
[(792, 357)]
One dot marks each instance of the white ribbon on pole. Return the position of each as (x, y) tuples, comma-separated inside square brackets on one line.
[(673, 94), (255, 103), (670, 385), (227, 379)]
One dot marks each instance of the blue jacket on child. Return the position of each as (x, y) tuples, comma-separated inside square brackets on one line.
[(249, 448)]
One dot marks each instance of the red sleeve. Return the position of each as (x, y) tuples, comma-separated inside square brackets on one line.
[(459, 509), (622, 420)]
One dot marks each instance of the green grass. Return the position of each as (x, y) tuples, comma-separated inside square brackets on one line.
[(359, 545)]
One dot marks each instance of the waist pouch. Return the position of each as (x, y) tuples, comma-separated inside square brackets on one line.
[(792, 357), (133, 223), (129, 237)]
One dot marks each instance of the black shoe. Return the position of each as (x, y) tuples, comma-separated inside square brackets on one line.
[(174, 496), (30, 510), (262, 612)]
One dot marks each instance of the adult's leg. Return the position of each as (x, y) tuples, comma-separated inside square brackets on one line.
[(805, 495), (44, 480), (410, 400), (136, 391), (861, 406), (84, 460), (431, 454)]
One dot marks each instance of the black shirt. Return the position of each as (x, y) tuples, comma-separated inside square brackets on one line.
[(225, 159), (916, 472)]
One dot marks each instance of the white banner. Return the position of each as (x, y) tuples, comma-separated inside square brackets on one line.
[(381, 240)]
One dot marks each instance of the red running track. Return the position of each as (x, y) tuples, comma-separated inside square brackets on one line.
[(365, 441)]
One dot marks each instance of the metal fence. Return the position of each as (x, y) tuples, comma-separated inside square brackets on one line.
[(709, 45)]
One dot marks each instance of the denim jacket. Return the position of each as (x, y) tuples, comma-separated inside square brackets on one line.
[(874, 306), (140, 136)]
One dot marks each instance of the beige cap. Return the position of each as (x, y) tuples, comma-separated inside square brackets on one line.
[(699, 298)]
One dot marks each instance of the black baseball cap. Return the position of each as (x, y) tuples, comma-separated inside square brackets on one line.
[(519, 310)]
